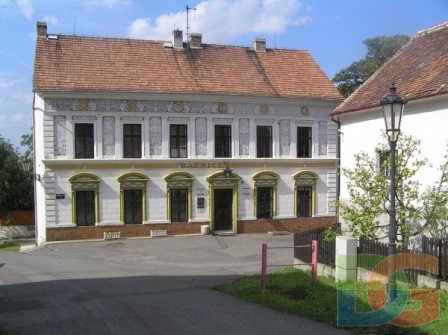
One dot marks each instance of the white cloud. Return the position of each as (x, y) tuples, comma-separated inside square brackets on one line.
[(50, 20), (111, 4), (26, 8), (220, 21)]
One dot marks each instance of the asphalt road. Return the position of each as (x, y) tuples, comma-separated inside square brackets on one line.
[(142, 286)]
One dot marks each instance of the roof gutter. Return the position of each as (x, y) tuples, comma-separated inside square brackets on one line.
[(338, 165)]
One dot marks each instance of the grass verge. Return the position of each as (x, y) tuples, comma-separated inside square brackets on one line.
[(290, 290), (9, 246)]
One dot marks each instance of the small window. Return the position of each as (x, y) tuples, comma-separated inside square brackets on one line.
[(264, 202), (85, 208), (133, 206), (305, 193), (132, 141), (84, 143), (383, 162), (304, 142), (264, 141), (304, 201), (223, 141), (178, 141), (85, 198), (179, 205)]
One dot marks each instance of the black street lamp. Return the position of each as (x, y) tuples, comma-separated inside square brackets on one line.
[(227, 171), (393, 107)]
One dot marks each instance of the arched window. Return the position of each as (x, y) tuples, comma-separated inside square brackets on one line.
[(265, 194), (305, 193), (133, 197), (179, 198), (85, 199)]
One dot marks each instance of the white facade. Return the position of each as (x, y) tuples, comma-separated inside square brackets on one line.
[(56, 116), (424, 119)]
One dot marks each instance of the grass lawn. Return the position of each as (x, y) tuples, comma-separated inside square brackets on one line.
[(9, 246), (290, 290)]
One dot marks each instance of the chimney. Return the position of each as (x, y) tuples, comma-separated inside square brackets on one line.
[(178, 40), (42, 29), (260, 45), (195, 41)]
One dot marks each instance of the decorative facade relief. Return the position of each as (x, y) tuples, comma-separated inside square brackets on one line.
[(84, 118), (244, 137), (201, 136), (155, 135), (109, 135), (285, 137), (264, 122), (186, 107), (323, 138), (221, 120), (60, 131), (131, 118)]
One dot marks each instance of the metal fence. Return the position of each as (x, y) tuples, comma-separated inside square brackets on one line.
[(326, 253)]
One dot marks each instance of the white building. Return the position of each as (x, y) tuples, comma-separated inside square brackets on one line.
[(135, 135), (420, 73)]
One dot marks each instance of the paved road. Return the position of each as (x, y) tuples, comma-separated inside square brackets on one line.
[(142, 286)]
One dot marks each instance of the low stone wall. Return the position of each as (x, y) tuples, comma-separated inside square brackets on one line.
[(129, 230), (295, 225), (363, 275), (18, 231)]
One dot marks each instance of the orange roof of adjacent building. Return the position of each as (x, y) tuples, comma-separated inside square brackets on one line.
[(74, 63), (419, 70)]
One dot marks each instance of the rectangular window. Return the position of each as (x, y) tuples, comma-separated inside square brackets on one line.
[(264, 202), (178, 141), (304, 142), (179, 205), (132, 141), (383, 163), (264, 141), (85, 208), (304, 201), (133, 206), (84, 144), (223, 141)]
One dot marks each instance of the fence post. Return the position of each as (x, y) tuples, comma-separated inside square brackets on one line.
[(314, 249), (264, 256)]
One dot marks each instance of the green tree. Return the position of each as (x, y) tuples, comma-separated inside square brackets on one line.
[(379, 50), (419, 209), (16, 185)]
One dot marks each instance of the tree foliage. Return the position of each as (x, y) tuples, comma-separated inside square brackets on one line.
[(379, 50), (419, 208), (16, 185)]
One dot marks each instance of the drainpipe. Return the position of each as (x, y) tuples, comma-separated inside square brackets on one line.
[(338, 156)]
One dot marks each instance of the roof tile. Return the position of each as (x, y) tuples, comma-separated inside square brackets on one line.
[(104, 64), (419, 70)]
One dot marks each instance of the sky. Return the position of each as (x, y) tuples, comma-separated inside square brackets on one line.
[(332, 31)]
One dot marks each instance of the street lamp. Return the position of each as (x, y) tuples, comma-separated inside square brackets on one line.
[(393, 107), (227, 171)]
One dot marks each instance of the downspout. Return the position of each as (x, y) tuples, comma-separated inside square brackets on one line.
[(36, 225), (338, 170)]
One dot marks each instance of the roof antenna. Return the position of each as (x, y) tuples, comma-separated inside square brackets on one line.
[(74, 26), (188, 35)]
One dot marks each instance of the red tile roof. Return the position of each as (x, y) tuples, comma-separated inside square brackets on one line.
[(419, 70), (73, 63)]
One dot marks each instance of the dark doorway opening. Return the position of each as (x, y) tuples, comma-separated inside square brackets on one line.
[(223, 209)]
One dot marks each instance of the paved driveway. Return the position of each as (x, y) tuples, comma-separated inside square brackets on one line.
[(142, 286)]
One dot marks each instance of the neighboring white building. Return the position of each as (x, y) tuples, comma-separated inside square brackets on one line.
[(135, 135), (420, 73)]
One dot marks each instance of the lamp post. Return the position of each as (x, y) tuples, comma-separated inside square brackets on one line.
[(393, 107), (227, 172)]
